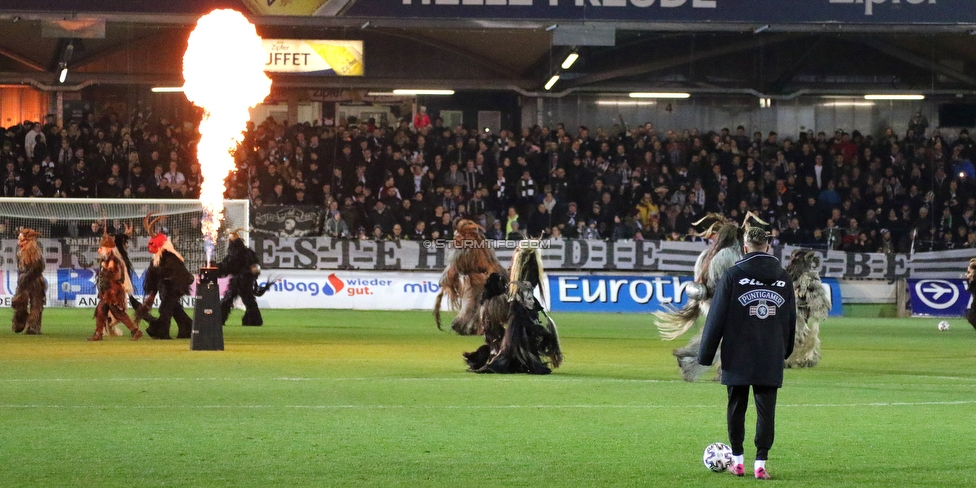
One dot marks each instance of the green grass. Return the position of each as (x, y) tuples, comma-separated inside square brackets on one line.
[(320, 398)]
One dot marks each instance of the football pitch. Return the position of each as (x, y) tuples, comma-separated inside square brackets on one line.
[(351, 398)]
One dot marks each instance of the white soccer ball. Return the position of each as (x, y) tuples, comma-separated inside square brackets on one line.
[(944, 326), (717, 457)]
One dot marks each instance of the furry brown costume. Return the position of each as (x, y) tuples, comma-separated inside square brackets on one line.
[(114, 288), (168, 277), (515, 339), (812, 307), (463, 281), (31, 295), (122, 246)]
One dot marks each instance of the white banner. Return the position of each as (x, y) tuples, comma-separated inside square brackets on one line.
[(357, 290)]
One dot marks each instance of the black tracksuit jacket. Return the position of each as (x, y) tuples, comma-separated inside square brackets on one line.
[(753, 316)]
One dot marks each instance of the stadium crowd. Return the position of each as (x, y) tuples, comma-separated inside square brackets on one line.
[(862, 193)]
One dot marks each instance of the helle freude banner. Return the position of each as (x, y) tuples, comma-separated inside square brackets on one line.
[(318, 57), (750, 11)]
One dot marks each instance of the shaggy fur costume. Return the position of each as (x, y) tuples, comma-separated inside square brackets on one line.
[(812, 307), (122, 246), (114, 288), (31, 295), (463, 280), (712, 263), (241, 264), (167, 276), (515, 339)]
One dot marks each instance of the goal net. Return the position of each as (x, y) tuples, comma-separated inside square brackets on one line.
[(71, 229)]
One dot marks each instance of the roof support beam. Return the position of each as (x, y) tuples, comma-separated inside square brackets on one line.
[(20, 59), (914, 59), (658, 65), (497, 68)]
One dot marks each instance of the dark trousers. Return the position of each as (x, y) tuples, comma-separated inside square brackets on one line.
[(765, 397), (169, 309)]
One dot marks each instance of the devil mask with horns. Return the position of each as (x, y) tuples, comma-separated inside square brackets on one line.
[(159, 242)]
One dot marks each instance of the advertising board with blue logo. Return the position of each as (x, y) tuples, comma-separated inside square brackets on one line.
[(636, 293), (356, 290), (294, 289), (938, 298)]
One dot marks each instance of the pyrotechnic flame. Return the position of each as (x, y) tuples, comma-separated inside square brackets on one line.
[(223, 72)]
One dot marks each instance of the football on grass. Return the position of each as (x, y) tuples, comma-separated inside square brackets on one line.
[(943, 326), (717, 457)]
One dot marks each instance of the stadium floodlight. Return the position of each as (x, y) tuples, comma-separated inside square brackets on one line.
[(552, 81), (848, 104), (895, 97), (659, 95), (413, 91), (167, 89), (626, 103), (570, 59)]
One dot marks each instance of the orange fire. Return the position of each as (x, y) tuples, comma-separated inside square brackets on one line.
[(223, 72)]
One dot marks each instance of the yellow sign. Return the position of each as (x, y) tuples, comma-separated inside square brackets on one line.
[(287, 7), (342, 58)]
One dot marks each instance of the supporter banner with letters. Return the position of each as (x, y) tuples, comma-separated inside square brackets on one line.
[(287, 221), (573, 254), (317, 57), (322, 253), (938, 298)]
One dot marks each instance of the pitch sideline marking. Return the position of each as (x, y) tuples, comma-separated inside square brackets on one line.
[(468, 378), (477, 407)]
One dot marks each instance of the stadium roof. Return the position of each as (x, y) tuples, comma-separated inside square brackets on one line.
[(801, 50)]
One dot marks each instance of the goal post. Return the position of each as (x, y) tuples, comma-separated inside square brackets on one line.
[(70, 230)]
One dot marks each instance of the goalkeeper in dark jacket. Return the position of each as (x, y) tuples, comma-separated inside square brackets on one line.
[(753, 316), (241, 264)]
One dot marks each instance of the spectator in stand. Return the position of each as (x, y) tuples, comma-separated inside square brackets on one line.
[(382, 217), (540, 222), (419, 232), (496, 232), (421, 120), (515, 234)]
